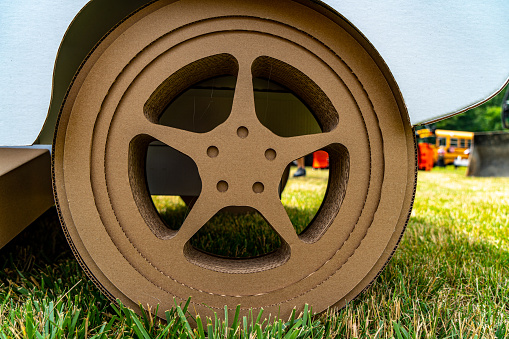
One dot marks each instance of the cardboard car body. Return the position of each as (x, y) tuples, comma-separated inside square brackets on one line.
[(384, 66)]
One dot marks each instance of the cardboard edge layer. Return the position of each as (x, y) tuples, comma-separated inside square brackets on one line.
[(25, 189)]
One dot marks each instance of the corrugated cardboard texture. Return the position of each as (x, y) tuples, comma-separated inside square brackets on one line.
[(110, 116), (25, 189)]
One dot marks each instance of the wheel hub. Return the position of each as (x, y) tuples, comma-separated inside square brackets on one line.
[(240, 165)]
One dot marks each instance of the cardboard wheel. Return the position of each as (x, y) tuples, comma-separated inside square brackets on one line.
[(110, 116)]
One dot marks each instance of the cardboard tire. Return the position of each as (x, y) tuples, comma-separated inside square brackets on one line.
[(110, 115)]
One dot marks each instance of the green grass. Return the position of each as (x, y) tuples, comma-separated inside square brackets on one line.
[(448, 279)]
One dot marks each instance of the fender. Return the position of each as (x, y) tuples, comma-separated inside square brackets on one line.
[(445, 57)]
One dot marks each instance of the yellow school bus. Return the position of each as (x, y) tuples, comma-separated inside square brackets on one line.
[(446, 145), (450, 145)]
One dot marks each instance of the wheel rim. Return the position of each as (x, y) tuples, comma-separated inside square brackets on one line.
[(113, 116)]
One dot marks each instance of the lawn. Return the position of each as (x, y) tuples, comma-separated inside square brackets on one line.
[(448, 279)]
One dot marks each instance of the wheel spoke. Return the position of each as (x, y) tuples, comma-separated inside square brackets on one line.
[(243, 108), (302, 145), (203, 210), (275, 214), (183, 141)]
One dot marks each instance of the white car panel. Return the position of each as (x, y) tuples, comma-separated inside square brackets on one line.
[(30, 34), (445, 56)]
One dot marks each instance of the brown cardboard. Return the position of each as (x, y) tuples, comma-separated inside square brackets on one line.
[(110, 116), (25, 189)]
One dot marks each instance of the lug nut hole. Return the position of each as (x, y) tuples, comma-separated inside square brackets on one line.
[(212, 151), (258, 187), (222, 186), (242, 132), (270, 154)]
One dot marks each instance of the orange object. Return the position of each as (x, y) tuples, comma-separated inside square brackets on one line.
[(320, 159), (425, 156)]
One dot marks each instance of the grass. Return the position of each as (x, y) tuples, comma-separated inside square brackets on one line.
[(448, 279)]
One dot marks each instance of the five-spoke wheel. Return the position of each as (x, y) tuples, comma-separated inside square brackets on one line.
[(111, 116)]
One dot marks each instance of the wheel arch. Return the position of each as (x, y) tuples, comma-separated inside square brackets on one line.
[(90, 25)]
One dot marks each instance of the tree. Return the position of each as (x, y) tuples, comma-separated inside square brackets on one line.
[(483, 118)]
